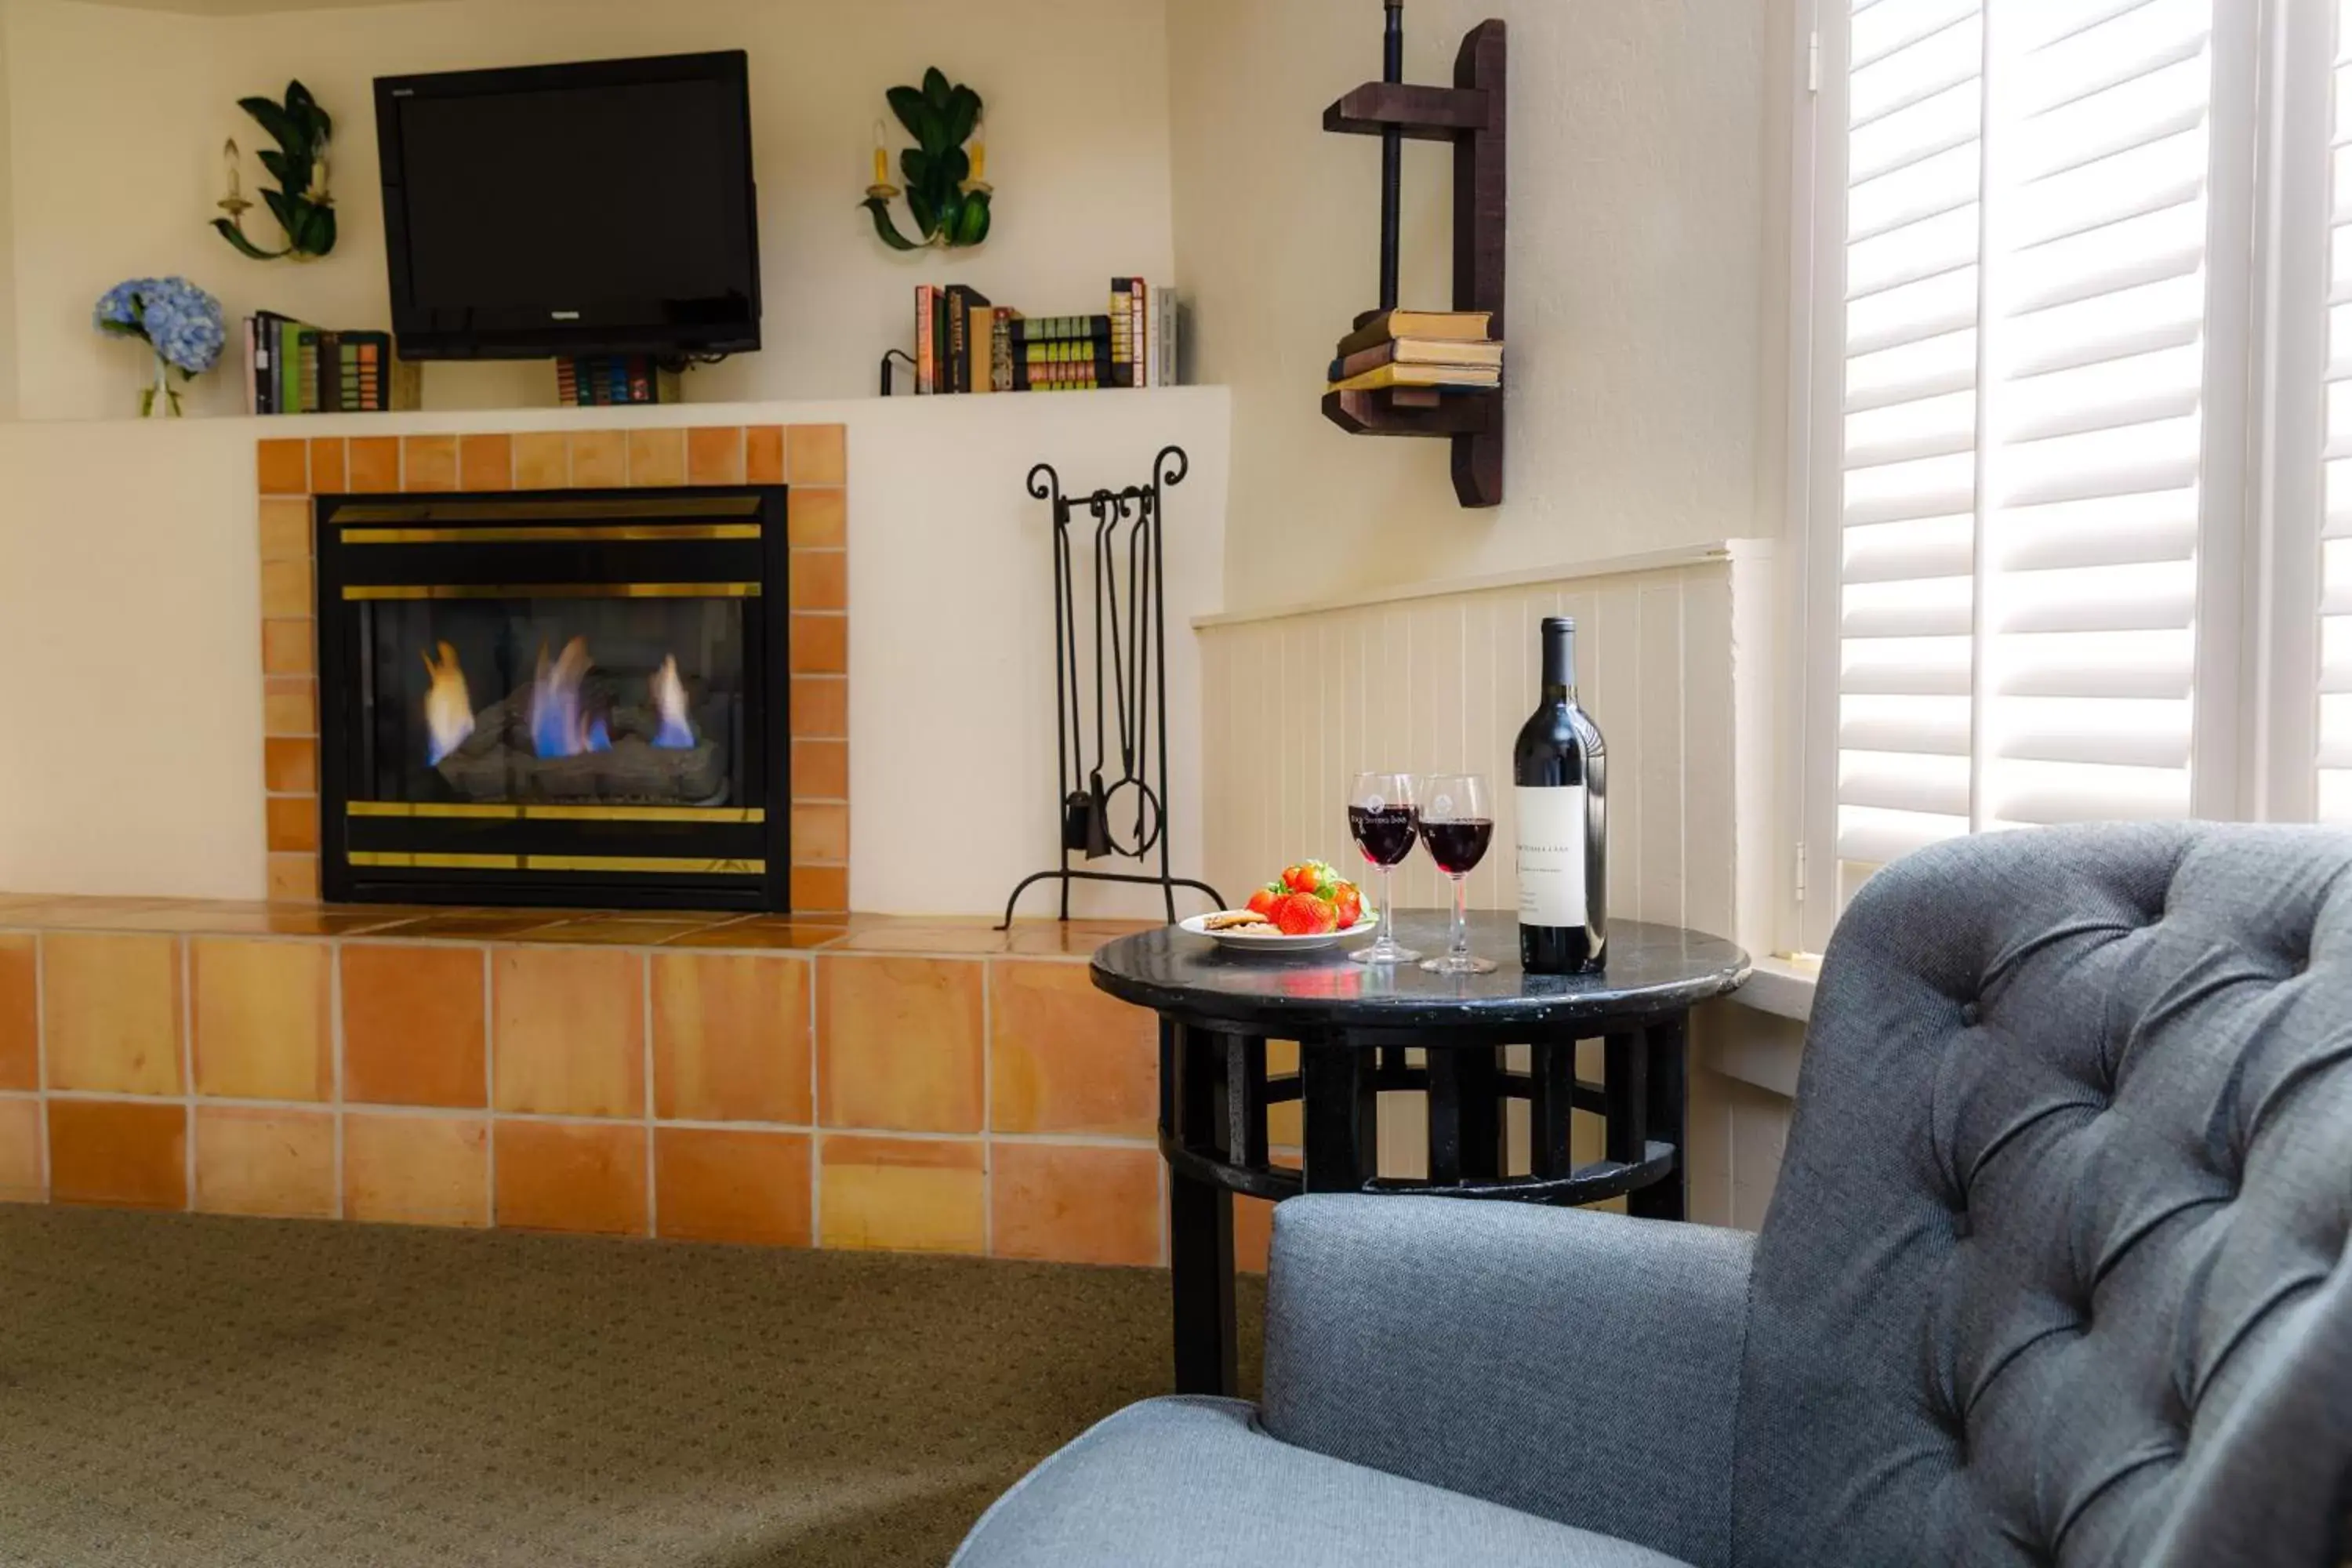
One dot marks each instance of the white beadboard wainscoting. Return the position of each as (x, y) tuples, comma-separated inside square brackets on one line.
[(1675, 662)]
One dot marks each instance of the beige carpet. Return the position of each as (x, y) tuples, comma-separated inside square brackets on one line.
[(190, 1391)]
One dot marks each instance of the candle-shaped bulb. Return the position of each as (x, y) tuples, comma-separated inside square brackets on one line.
[(229, 162), (979, 151), (881, 157), (317, 191)]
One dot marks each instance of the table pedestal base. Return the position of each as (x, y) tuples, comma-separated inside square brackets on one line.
[(1215, 1093)]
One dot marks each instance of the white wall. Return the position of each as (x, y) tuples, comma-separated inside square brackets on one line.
[(1639, 159), (117, 116), (130, 752)]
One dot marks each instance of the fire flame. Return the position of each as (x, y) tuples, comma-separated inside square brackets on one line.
[(558, 726), (449, 708), (669, 700)]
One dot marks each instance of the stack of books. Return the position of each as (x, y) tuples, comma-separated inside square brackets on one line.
[(599, 380), (293, 367), (1064, 354), (1441, 350), (963, 342)]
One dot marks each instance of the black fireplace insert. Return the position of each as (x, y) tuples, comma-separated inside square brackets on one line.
[(565, 698)]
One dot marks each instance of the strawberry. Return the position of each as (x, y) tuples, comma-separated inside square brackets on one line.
[(1316, 877), (1303, 914), (1262, 901), (1350, 903)]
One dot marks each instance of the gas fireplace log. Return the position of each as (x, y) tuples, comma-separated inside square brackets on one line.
[(633, 770)]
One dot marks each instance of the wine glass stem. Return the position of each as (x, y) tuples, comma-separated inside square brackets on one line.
[(1461, 948), (1388, 911)]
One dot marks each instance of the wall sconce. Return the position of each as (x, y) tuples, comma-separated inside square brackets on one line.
[(301, 203), (946, 189)]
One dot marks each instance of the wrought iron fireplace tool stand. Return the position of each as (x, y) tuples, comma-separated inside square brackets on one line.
[(1129, 688)]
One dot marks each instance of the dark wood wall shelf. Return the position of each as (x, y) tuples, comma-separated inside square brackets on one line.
[(1472, 114)]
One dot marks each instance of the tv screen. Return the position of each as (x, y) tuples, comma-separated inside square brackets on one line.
[(594, 208)]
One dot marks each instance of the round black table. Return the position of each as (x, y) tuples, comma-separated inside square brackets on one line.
[(1353, 1023)]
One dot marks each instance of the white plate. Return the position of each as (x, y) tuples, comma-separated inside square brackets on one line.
[(1248, 940)]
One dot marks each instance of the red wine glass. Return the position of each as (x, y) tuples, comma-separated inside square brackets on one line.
[(1456, 825), (1381, 817)]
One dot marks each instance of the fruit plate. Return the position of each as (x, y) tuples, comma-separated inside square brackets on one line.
[(1249, 941)]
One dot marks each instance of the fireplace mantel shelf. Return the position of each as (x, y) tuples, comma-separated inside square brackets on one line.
[(469, 421)]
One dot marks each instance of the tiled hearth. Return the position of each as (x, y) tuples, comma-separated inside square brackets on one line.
[(928, 1085), (810, 458)]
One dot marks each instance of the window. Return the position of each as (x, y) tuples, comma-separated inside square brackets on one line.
[(2077, 473)]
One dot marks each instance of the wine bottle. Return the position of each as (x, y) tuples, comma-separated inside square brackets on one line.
[(1560, 767)]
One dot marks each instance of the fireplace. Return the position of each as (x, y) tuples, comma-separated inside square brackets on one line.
[(554, 698)]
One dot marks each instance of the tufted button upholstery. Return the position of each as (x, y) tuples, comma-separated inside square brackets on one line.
[(2059, 1274)]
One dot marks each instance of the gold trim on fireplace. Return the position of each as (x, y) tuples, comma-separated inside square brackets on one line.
[(553, 591), (558, 813), (535, 535), (357, 513), (593, 863)]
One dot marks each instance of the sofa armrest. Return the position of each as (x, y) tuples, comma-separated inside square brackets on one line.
[(1581, 1366)]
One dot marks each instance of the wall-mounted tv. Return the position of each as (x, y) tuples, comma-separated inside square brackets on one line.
[(594, 208)]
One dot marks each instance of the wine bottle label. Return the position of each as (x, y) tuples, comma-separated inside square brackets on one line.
[(1551, 856)]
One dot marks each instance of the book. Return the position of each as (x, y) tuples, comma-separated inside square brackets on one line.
[(1417, 351), (1139, 305), (1382, 376), (939, 381), (1452, 326), (1122, 327), (1049, 329), (327, 375), (264, 362), (923, 387), (1000, 356), (1167, 309), (959, 336), (1152, 346), (289, 366), (966, 306)]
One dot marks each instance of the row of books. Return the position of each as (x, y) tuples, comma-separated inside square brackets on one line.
[(598, 381), (1438, 350), (293, 367), (963, 342)]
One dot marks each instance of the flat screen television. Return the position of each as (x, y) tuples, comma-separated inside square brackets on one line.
[(604, 208)]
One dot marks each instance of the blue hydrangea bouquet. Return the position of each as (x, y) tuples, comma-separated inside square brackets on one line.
[(178, 321)]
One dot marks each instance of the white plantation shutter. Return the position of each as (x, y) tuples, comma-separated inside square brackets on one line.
[(2334, 759), (1915, 161), (2026, 411)]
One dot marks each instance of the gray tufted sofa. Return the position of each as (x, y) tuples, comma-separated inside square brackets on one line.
[(2056, 1273)]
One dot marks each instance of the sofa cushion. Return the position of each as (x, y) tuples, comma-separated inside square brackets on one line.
[(1193, 1483), (2056, 1270)]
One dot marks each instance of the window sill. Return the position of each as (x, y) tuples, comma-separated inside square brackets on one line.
[(1781, 985)]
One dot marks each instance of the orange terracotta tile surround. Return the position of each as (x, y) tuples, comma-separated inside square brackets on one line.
[(811, 459), (866, 1082), (821, 1078)]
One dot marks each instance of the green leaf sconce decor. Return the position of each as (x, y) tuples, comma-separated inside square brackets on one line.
[(299, 163), (946, 189)]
